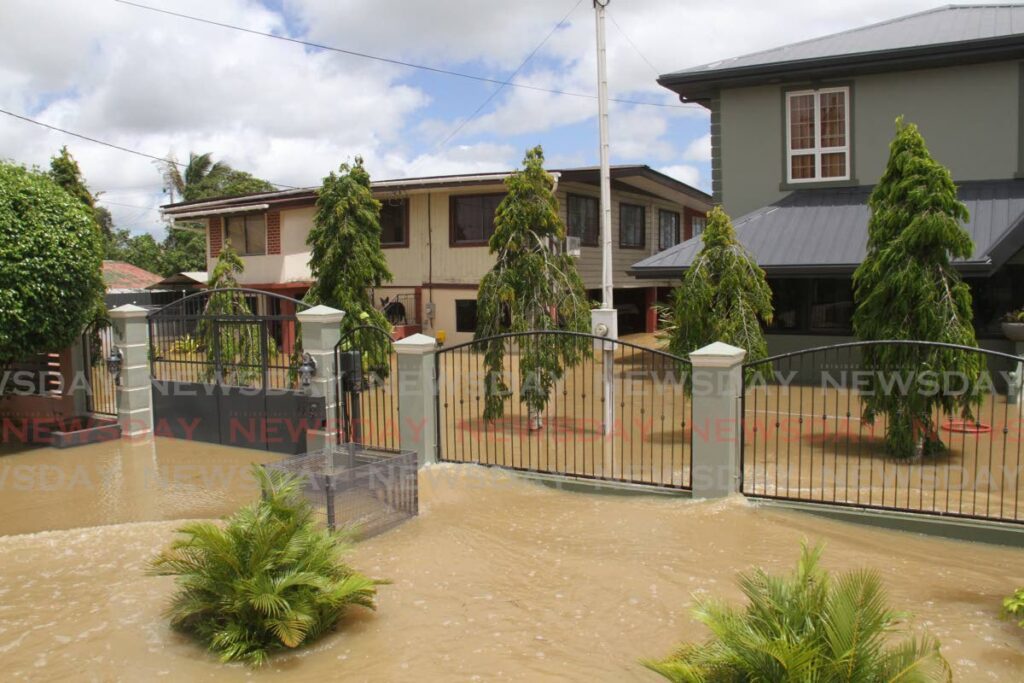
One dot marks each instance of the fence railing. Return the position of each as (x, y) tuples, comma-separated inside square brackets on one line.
[(366, 388), (818, 424), (97, 345), (647, 442), (400, 309)]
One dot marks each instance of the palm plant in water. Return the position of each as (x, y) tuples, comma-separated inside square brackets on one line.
[(269, 579), (808, 626)]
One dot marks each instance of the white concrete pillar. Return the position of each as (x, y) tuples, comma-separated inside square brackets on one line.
[(321, 331), (134, 391), (417, 396), (717, 423)]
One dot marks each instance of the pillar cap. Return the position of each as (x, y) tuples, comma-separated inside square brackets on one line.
[(717, 355), (128, 311), (416, 343), (320, 314)]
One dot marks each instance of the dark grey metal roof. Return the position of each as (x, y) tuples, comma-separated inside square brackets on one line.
[(817, 232), (950, 30)]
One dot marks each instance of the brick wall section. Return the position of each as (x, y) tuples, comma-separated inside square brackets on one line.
[(216, 231), (274, 232)]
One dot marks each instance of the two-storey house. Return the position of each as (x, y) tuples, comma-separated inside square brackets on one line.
[(435, 230), (801, 133)]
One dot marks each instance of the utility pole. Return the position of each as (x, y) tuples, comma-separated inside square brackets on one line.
[(605, 319), (606, 195)]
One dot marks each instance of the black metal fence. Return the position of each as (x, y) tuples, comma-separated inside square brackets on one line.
[(255, 345), (362, 490), (101, 391), (366, 388), (647, 440), (225, 369), (810, 434)]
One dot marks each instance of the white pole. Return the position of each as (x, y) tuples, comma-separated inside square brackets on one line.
[(606, 194), (607, 299)]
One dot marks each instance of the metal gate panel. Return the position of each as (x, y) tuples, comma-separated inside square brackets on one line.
[(186, 410)]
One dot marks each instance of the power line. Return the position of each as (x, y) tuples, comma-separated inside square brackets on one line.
[(397, 62), (128, 206), (630, 41), (112, 145), (515, 73)]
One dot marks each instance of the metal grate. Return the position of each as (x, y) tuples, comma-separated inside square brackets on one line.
[(359, 489)]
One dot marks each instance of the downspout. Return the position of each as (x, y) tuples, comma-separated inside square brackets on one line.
[(430, 257)]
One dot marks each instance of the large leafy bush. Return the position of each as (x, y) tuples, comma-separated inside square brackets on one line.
[(809, 626), (50, 264), (268, 579)]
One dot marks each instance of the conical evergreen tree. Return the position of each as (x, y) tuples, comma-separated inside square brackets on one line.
[(723, 296), (907, 288), (533, 285), (347, 260)]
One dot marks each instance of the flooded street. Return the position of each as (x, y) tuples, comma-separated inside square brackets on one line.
[(499, 578), (43, 489)]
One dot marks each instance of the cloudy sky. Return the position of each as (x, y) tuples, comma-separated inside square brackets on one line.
[(290, 113)]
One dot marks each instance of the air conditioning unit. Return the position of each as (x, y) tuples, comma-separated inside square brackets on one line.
[(572, 246)]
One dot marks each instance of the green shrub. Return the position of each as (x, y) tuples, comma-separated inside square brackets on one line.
[(186, 344), (809, 626), (1013, 607), (50, 264), (269, 579)]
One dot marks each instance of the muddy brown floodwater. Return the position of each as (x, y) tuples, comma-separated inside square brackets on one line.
[(498, 578)]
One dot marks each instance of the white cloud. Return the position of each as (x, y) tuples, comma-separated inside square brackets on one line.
[(290, 114), (687, 174), (699, 149)]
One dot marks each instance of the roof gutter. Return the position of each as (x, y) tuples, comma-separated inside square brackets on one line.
[(201, 213), (984, 267)]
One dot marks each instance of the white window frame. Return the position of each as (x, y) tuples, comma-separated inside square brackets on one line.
[(817, 150)]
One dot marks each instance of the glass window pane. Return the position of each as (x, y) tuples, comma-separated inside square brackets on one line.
[(255, 235), (489, 208), (465, 315), (698, 223), (833, 119), (801, 122), (833, 165), (787, 300), (668, 229), (467, 220), (392, 221), (631, 226), (581, 216), (832, 306), (801, 166), (234, 232)]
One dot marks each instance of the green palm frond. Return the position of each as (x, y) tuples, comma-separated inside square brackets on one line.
[(267, 579), (805, 627)]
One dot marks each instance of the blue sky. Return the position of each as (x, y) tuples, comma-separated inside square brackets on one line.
[(167, 86)]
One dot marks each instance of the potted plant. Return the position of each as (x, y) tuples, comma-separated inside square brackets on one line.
[(1013, 325)]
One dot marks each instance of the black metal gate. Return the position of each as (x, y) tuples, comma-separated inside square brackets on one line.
[(224, 370), (809, 434), (366, 388), (484, 414), (97, 344)]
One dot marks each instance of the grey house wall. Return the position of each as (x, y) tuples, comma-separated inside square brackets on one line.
[(969, 115)]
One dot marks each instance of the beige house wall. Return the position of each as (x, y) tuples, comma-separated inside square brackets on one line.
[(445, 273)]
